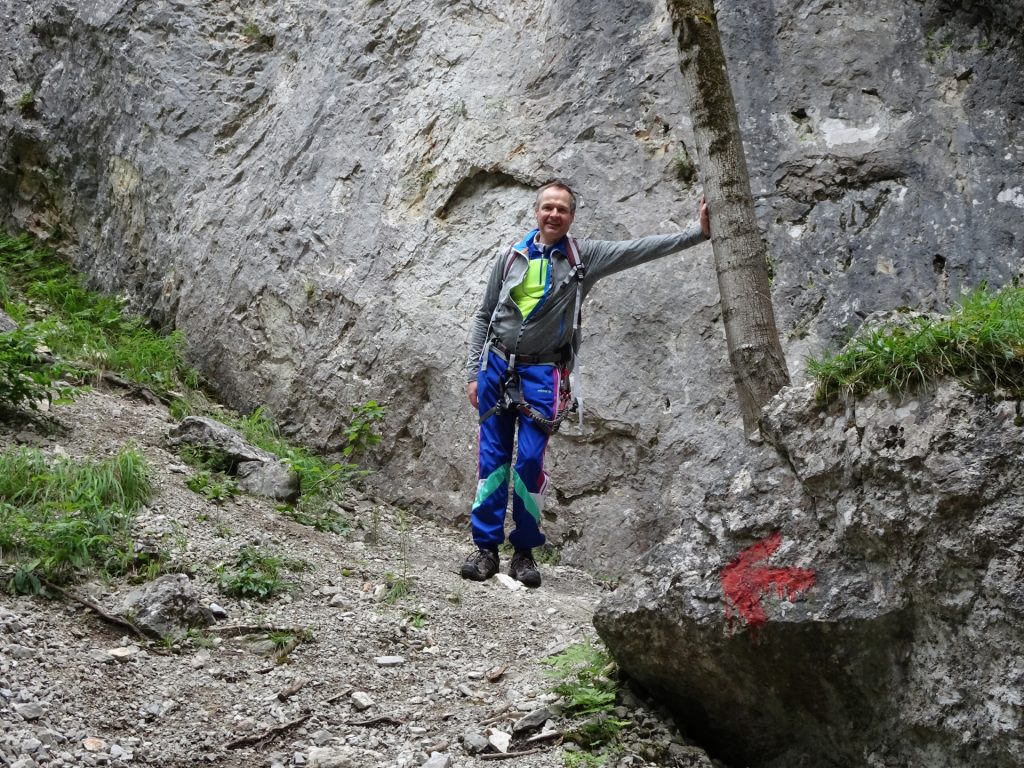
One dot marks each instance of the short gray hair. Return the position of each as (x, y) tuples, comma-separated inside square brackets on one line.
[(557, 184)]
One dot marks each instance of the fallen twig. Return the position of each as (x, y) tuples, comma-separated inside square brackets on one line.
[(383, 719), (117, 621), (501, 714), (546, 736), (292, 689), (260, 738), (347, 690), (509, 755), (237, 630)]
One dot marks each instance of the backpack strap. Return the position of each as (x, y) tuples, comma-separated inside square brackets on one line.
[(580, 271)]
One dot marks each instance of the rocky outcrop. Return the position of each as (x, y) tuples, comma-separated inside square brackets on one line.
[(313, 193), (853, 598), (258, 471)]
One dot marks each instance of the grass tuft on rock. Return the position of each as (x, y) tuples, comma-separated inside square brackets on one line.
[(89, 332), (981, 342)]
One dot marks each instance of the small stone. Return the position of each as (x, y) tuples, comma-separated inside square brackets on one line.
[(338, 600), (20, 652), (321, 737), (533, 720), (438, 760), (100, 656), (218, 611), (362, 701), (474, 742), (92, 744), (124, 653), (30, 745), (389, 661), (29, 711), (507, 581)]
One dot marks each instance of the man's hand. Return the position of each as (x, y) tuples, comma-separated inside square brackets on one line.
[(705, 218), (471, 393)]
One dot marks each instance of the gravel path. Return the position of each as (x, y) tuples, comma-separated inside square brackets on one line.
[(414, 681)]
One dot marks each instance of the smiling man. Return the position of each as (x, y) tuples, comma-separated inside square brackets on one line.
[(522, 346)]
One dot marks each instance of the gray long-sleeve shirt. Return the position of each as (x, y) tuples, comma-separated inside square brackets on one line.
[(549, 328)]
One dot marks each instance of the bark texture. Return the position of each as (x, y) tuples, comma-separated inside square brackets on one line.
[(741, 256)]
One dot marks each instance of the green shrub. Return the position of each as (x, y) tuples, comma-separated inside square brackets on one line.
[(361, 433), (62, 518), (321, 484), (215, 486), (981, 342)]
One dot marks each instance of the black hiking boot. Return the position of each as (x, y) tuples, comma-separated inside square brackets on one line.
[(481, 565), (524, 569)]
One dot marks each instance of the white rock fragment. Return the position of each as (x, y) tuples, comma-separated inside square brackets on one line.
[(508, 581), (124, 653), (389, 661), (362, 700), (499, 739)]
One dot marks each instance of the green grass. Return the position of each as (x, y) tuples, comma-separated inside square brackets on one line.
[(981, 342), (320, 483), (60, 519), (90, 332)]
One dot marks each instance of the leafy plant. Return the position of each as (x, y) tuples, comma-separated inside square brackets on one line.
[(361, 433), (321, 484), (398, 587), (215, 486), (26, 378), (684, 167), (981, 342), (584, 760), (584, 679), (255, 574), (27, 103), (62, 518)]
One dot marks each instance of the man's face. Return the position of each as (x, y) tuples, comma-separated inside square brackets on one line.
[(554, 215)]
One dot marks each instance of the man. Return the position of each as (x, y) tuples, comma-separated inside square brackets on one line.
[(522, 345)]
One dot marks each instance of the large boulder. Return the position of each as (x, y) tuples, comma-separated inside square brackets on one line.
[(855, 598), (167, 607)]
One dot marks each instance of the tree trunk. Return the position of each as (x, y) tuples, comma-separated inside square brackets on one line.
[(741, 256)]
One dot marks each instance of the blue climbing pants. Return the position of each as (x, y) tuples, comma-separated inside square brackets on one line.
[(497, 438)]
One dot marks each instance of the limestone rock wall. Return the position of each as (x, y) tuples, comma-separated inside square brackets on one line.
[(313, 193)]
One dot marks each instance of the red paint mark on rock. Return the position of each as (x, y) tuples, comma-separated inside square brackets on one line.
[(747, 578)]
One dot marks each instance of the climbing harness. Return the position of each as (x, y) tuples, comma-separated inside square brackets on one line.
[(511, 397)]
